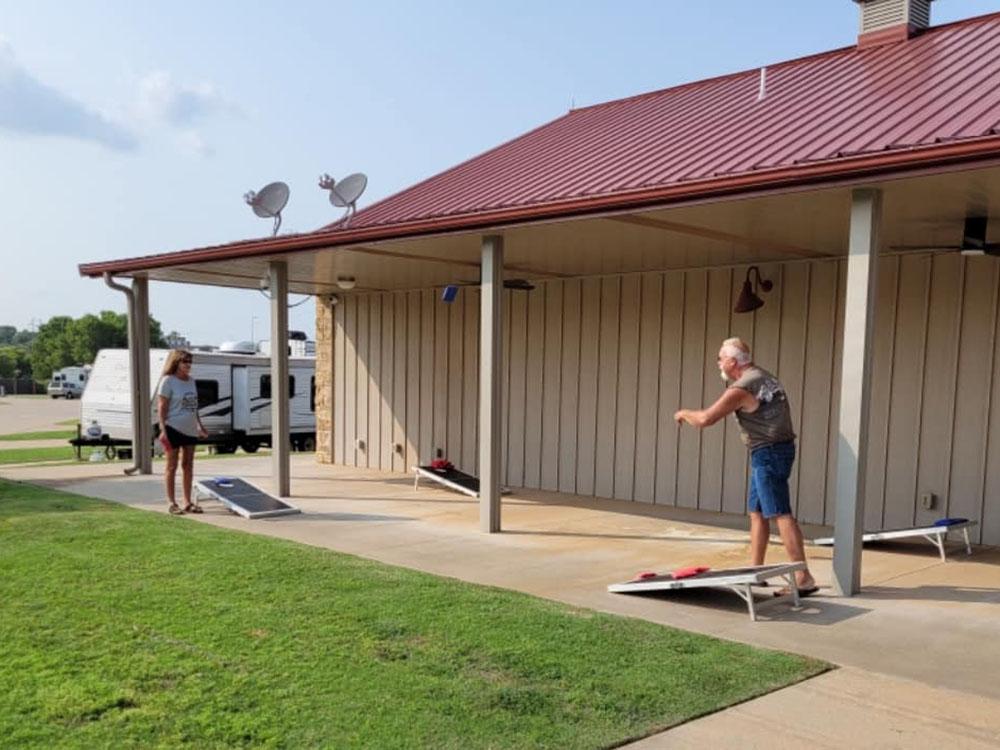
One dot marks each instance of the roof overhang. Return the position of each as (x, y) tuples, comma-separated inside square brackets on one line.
[(397, 242)]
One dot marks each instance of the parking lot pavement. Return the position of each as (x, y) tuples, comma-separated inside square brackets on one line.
[(35, 413)]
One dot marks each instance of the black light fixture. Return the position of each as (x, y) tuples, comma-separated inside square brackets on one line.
[(748, 301)]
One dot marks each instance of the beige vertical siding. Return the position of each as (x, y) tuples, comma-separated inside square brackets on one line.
[(596, 367)]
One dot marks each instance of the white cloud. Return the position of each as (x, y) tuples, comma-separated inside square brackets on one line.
[(31, 107), (165, 101), (161, 106), (192, 142)]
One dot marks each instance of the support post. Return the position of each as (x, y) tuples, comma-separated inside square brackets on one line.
[(490, 366), (142, 445), (855, 389), (280, 438)]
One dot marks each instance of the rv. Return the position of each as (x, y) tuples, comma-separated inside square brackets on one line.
[(69, 382), (234, 398)]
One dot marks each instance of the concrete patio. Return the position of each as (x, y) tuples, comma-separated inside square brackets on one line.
[(917, 646)]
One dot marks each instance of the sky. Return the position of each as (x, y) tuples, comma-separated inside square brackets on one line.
[(135, 128)]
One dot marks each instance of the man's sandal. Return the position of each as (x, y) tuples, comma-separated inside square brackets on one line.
[(806, 591), (192, 508), (175, 510)]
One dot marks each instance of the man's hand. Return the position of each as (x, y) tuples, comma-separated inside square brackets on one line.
[(731, 400), (202, 432)]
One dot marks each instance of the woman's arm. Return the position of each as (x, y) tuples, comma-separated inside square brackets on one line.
[(162, 407), (202, 432)]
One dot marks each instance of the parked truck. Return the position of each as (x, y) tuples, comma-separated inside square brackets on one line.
[(234, 398)]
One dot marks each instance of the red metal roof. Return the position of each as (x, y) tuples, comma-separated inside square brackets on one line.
[(932, 99), (941, 86)]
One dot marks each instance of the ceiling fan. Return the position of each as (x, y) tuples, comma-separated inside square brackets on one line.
[(973, 240)]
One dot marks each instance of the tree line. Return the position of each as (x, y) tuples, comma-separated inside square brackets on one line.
[(63, 341)]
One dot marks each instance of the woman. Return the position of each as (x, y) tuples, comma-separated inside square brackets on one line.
[(180, 425)]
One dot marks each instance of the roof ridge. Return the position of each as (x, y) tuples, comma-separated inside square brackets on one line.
[(770, 66)]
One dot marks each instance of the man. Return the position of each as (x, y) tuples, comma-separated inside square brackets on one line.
[(758, 400)]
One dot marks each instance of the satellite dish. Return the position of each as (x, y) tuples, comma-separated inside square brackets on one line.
[(269, 202), (345, 194)]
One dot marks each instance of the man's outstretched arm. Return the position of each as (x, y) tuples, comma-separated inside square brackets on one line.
[(731, 400)]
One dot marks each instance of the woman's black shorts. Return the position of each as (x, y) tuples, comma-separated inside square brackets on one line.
[(178, 438)]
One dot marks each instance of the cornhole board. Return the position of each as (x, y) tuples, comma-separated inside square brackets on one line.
[(450, 478), (737, 580), (936, 535), (244, 499)]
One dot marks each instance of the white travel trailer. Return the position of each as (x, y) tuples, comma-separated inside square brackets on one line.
[(234, 398), (69, 382)]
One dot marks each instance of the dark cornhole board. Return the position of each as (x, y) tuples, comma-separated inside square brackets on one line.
[(451, 478), (245, 499)]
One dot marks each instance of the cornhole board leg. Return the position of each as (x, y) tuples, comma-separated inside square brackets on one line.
[(744, 592), (938, 541)]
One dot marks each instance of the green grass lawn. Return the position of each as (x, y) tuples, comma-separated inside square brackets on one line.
[(35, 455), (67, 455), (43, 435), (124, 628)]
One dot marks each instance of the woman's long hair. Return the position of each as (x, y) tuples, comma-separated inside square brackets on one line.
[(174, 361)]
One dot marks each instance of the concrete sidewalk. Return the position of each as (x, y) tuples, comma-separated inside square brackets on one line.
[(921, 636)]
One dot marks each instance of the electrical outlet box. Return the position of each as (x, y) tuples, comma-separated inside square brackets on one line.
[(398, 447), (928, 500), (438, 453), (360, 444)]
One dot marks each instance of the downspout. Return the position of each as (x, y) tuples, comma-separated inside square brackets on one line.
[(136, 397)]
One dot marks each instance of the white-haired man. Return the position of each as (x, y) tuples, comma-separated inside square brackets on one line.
[(760, 405)]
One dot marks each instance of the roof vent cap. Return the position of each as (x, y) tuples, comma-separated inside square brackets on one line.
[(890, 21)]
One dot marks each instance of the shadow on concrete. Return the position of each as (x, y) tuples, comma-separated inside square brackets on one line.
[(814, 610), (954, 548), (354, 499), (968, 594), (649, 537), (321, 516), (395, 481)]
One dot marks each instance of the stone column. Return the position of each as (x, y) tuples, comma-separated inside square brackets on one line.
[(325, 335)]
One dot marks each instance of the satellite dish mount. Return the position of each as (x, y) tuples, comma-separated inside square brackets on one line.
[(269, 202), (345, 194)]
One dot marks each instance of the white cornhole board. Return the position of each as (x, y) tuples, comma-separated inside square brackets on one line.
[(737, 580), (934, 534), (452, 479), (244, 499)]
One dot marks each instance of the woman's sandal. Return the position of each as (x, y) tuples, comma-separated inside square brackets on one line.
[(175, 510), (192, 508)]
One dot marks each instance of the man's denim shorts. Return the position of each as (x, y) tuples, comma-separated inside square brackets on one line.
[(770, 467)]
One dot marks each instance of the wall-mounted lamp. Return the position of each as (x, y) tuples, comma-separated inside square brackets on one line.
[(748, 301), (346, 282)]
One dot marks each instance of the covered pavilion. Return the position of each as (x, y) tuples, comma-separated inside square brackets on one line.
[(847, 178)]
